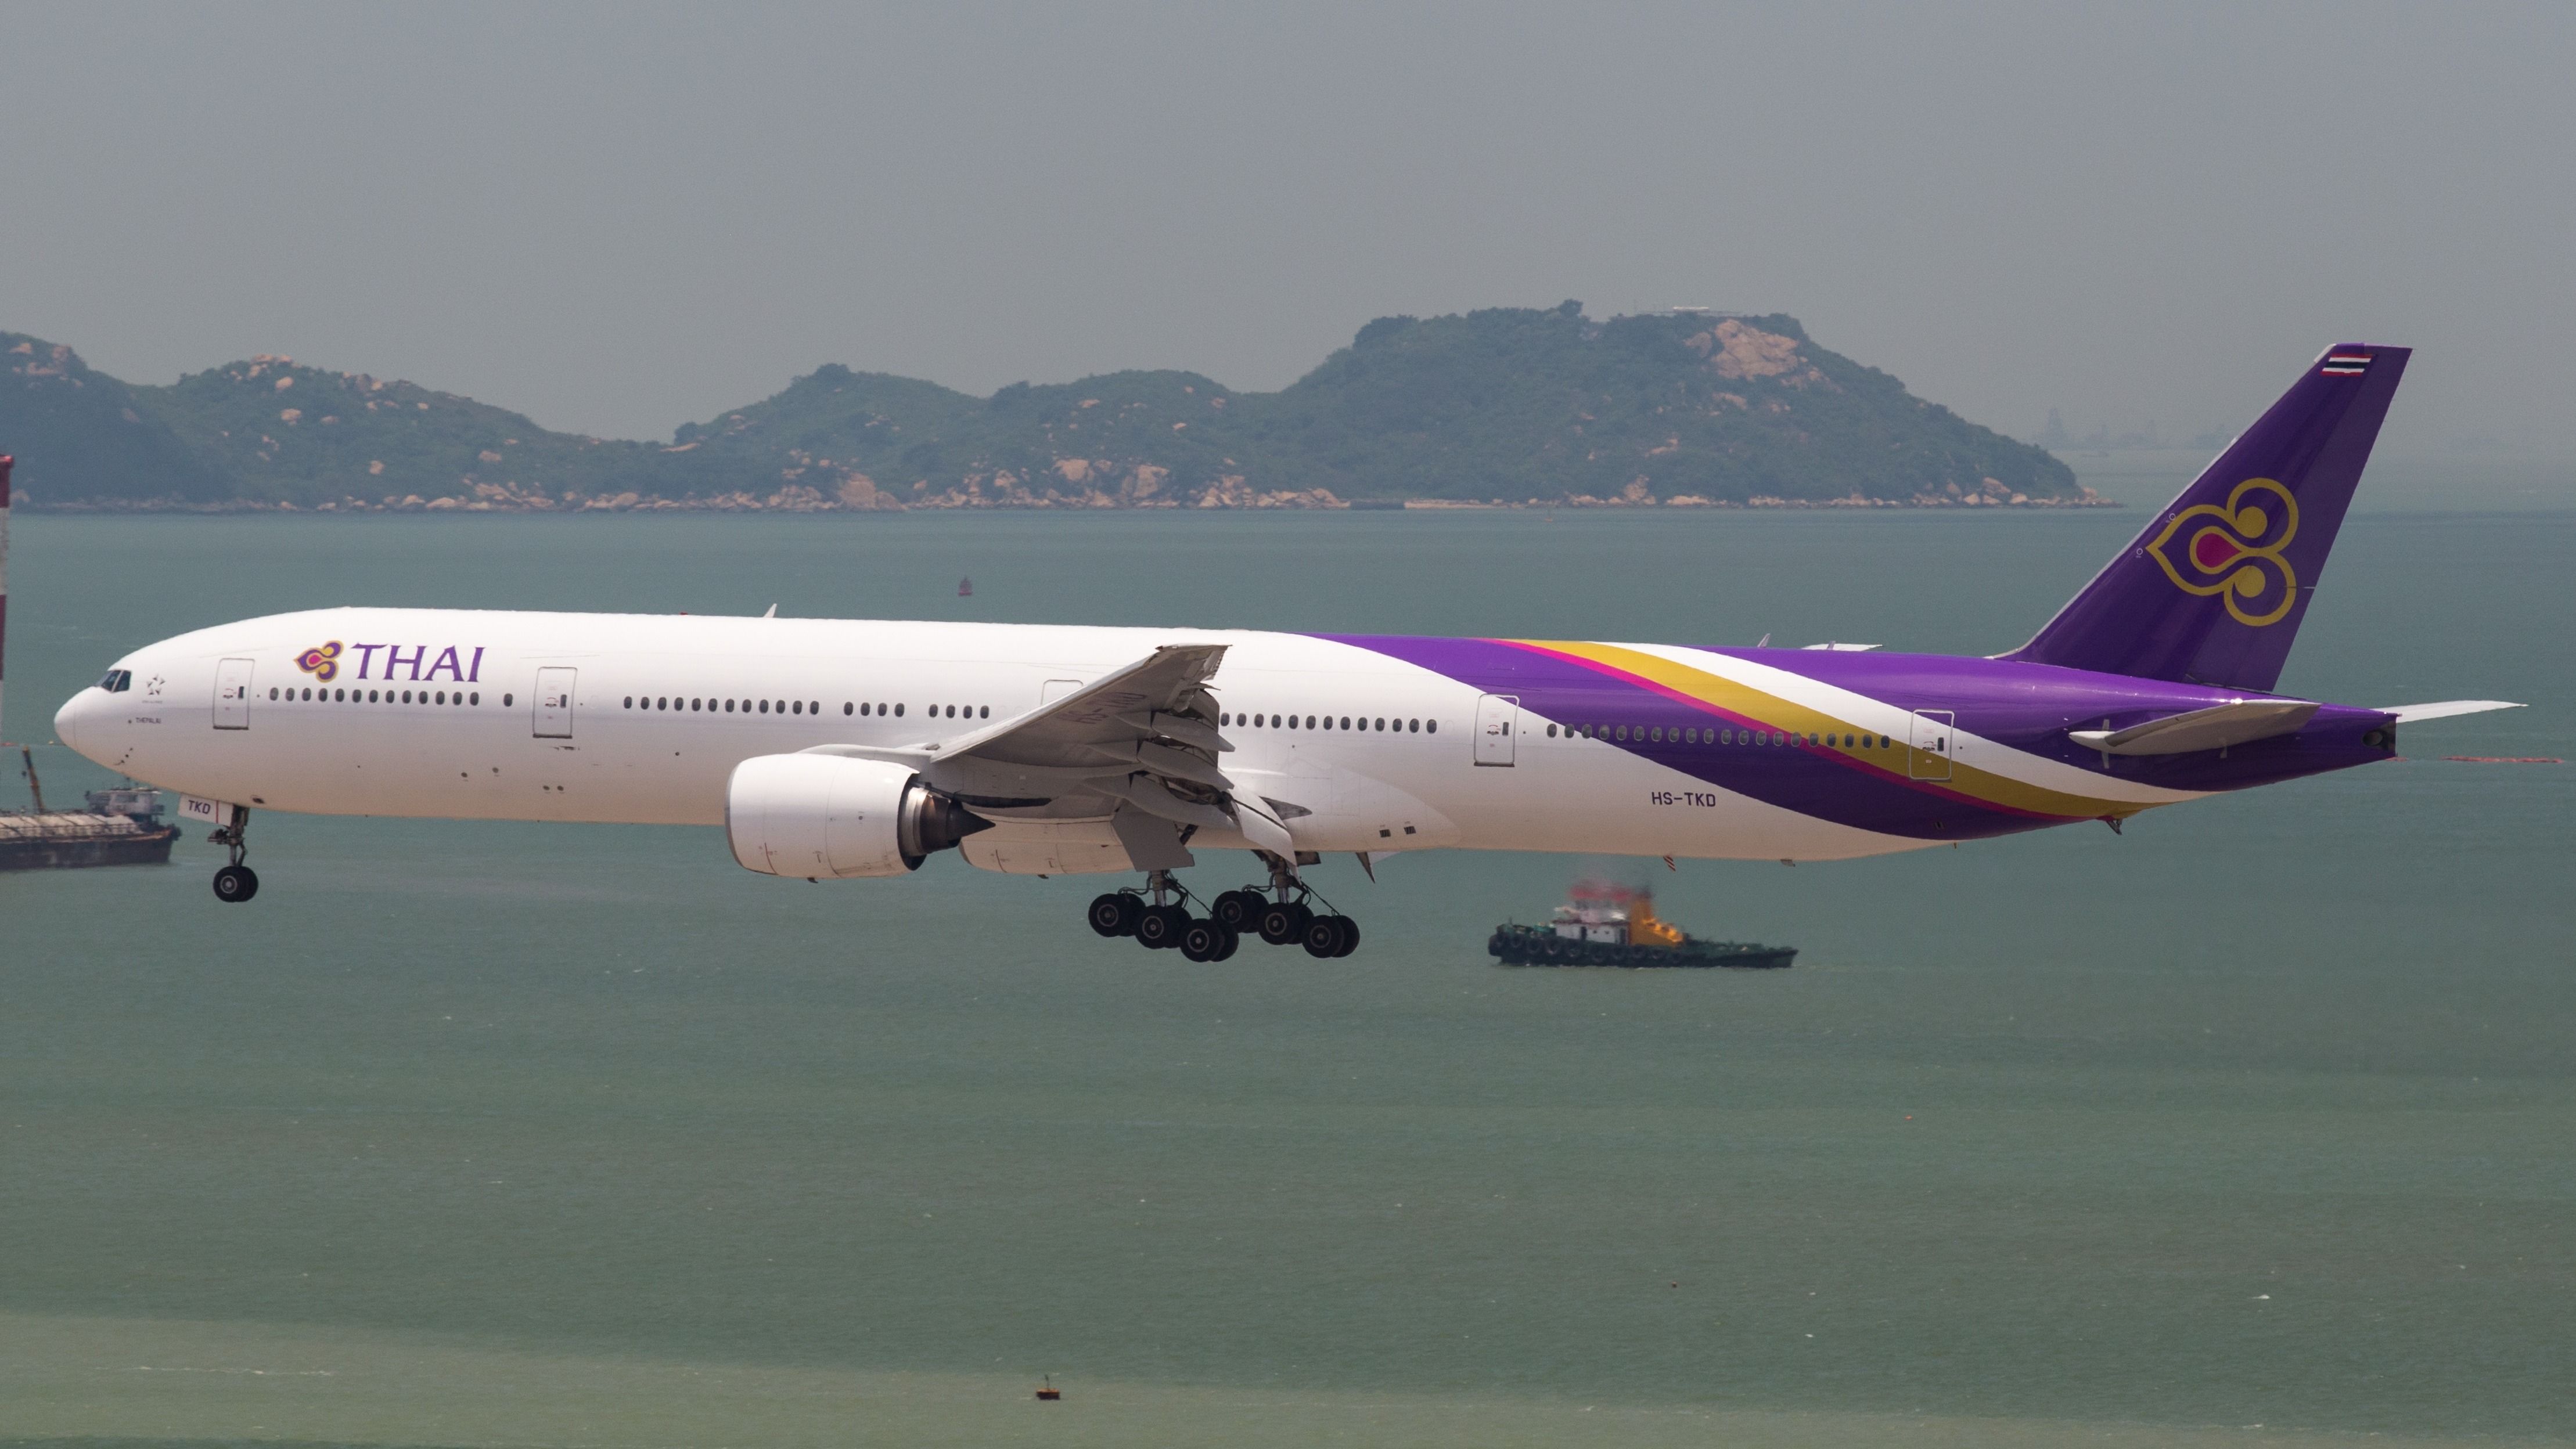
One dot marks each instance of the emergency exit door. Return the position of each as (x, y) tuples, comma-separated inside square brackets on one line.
[(1934, 744), (554, 703), (1498, 723), (232, 694)]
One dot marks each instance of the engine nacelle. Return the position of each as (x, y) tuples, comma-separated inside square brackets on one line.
[(830, 815)]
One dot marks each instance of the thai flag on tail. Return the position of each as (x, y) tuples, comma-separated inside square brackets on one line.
[(2346, 364)]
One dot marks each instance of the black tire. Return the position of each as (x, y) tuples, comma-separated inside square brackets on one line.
[(1284, 924), (1233, 942), (1203, 940), (1115, 913), (1350, 930), (1494, 944), (235, 884), (1323, 938), (1237, 910), (1159, 928)]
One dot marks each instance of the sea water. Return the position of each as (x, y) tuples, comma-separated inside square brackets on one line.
[(2260, 1114)]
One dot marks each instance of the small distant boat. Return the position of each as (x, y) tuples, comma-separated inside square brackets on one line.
[(1048, 1392), (965, 588), (1610, 925), (115, 827)]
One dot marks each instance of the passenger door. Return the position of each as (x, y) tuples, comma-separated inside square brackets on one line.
[(1933, 742), (554, 703), (1498, 723), (232, 694)]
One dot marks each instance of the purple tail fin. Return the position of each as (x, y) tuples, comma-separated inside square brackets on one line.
[(2213, 591)]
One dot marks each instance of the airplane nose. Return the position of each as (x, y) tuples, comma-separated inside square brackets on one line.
[(67, 720)]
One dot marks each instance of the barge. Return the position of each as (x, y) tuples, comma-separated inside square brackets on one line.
[(119, 827)]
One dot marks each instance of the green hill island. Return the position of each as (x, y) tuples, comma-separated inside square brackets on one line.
[(1511, 406)]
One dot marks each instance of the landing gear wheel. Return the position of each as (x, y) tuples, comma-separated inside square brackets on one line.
[(1159, 928), (1205, 940), (235, 884), (1238, 910), (1285, 922), (1115, 914), (1233, 942), (1326, 937)]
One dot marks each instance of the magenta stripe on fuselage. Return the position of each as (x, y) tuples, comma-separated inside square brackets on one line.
[(1813, 782)]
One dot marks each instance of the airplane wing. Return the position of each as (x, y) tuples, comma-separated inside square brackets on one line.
[(2213, 728), (2444, 709), (1141, 738)]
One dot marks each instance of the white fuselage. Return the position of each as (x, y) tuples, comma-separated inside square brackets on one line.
[(642, 718)]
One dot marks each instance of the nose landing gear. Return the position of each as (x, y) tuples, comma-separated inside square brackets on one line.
[(236, 882)]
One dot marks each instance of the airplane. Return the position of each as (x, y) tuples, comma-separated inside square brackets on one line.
[(860, 748)]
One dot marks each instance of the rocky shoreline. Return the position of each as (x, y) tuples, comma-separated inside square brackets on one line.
[(499, 498)]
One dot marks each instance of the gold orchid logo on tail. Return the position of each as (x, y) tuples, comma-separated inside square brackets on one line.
[(2238, 553)]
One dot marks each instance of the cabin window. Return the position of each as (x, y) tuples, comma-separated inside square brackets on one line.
[(799, 707), (764, 706), (863, 709), (1621, 732), (848, 708), (475, 698), (898, 711), (1431, 727), (1413, 725), (505, 699), (630, 701)]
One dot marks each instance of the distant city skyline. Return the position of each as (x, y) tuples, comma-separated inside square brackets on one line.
[(610, 216)]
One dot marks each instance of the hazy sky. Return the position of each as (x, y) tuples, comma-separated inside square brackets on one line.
[(619, 218)]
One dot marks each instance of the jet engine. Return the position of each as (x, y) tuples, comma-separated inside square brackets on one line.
[(830, 815)]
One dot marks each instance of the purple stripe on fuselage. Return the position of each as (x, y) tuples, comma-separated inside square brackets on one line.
[(1825, 784), (2025, 707)]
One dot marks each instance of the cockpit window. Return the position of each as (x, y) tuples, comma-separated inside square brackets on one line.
[(117, 681)]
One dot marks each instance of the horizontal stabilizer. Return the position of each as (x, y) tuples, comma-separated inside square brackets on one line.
[(2444, 709), (2202, 729)]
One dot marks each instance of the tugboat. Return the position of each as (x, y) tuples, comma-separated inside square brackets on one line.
[(1612, 925)]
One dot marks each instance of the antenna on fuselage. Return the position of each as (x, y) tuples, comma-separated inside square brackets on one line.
[(773, 612)]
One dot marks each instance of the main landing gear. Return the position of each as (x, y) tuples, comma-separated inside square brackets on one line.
[(236, 882), (1165, 923)]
